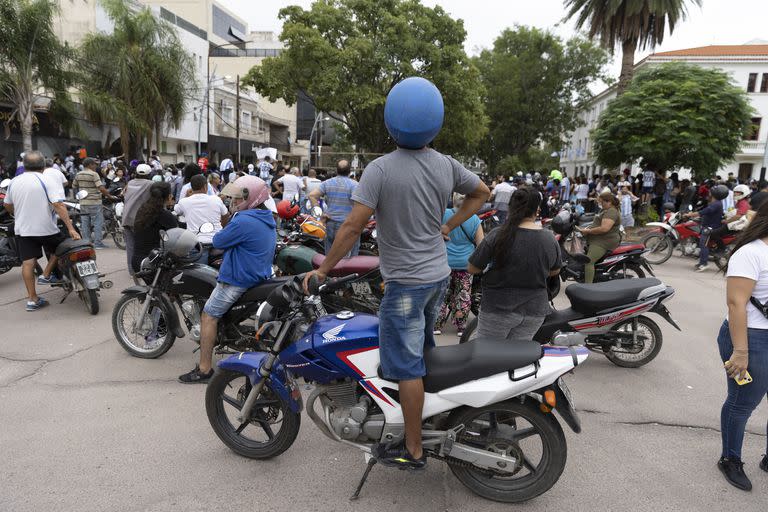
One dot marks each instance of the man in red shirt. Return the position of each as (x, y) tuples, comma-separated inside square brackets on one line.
[(741, 195), (203, 161)]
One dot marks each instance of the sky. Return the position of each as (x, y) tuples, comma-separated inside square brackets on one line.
[(716, 22)]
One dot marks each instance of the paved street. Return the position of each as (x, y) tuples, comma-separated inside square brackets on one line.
[(86, 427)]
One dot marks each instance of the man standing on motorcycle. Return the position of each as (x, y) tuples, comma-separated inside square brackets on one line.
[(408, 190), (32, 199), (248, 242)]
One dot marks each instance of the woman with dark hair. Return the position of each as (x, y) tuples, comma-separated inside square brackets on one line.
[(743, 343), (150, 219), (604, 235), (520, 257)]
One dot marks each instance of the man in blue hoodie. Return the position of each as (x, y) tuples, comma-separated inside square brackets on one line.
[(248, 242)]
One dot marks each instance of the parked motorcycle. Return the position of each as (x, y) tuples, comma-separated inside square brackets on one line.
[(611, 315), (146, 321), (624, 262), (488, 407), (79, 272), (369, 245)]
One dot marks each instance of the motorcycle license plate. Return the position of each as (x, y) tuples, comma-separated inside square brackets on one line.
[(87, 268), (361, 288)]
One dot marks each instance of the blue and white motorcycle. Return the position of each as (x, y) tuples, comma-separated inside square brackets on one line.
[(488, 409)]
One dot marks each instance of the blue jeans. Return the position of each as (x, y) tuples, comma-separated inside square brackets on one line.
[(331, 228), (407, 318), (704, 248), (92, 217), (222, 298), (742, 400)]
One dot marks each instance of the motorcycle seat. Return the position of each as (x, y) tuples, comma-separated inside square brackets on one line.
[(261, 291), (451, 365), (592, 298), (354, 265), (70, 245), (556, 321), (625, 248)]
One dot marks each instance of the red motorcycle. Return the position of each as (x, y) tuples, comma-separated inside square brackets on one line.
[(685, 234)]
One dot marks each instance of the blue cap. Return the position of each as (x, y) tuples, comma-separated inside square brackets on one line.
[(414, 112)]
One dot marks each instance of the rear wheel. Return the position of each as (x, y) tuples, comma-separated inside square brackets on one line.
[(152, 338), (628, 353), (521, 431), (91, 300), (469, 330), (272, 427), (119, 238), (659, 247), (721, 258), (625, 271)]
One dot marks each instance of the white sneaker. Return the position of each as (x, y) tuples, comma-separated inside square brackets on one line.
[(459, 334), (702, 268), (437, 332)]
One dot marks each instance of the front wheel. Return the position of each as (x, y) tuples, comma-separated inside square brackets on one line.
[(634, 353), (659, 247), (522, 431), (151, 338), (272, 427), (119, 238)]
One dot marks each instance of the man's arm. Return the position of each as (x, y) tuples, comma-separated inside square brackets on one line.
[(345, 239), (315, 196), (8, 207), (61, 211), (472, 203)]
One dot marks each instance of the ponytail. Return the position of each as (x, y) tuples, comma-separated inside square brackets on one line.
[(158, 194), (524, 203)]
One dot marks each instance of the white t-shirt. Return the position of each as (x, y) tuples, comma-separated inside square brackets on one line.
[(31, 195), (751, 261), (649, 178), (198, 209), (582, 191), (292, 186), (57, 177), (311, 184), (226, 164), (188, 186)]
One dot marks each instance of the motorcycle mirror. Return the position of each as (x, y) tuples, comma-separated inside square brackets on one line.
[(82, 195), (206, 228), (163, 235), (317, 211), (5, 183)]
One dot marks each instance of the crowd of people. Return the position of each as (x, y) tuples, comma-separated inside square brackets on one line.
[(430, 243)]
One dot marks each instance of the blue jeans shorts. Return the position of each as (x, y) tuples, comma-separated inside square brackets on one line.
[(406, 320), (222, 298)]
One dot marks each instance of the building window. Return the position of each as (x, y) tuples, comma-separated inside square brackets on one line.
[(245, 121), (753, 132), (752, 82), (764, 83), (163, 146), (227, 113)]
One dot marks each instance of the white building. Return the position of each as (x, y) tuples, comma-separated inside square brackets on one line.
[(748, 66)]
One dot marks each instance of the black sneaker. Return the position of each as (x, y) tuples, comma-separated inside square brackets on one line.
[(733, 471), (399, 457), (196, 377), (764, 463)]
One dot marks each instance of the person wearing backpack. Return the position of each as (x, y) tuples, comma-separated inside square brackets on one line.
[(460, 246)]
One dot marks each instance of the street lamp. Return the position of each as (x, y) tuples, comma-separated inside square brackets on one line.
[(311, 134)]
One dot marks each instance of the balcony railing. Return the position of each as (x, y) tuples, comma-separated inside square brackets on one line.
[(752, 147)]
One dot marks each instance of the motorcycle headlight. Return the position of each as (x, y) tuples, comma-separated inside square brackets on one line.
[(146, 264), (374, 234), (119, 209)]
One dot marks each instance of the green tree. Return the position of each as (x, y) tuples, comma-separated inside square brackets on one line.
[(347, 55), (534, 159), (674, 115), (533, 83), (139, 77), (34, 66), (632, 24)]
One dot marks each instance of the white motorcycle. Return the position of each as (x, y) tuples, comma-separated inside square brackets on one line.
[(488, 408)]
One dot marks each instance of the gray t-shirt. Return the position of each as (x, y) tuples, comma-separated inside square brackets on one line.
[(409, 189), (136, 194), (520, 283)]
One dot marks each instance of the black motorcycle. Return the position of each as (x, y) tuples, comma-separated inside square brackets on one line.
[(146, 319)]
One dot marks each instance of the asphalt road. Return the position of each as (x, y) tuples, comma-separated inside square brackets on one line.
[(86, 427)]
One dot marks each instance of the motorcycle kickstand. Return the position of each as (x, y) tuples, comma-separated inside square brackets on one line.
[(368, 468)]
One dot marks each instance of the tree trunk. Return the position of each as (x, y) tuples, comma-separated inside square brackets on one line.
[(627, 65), (125, 143), (26, 114)]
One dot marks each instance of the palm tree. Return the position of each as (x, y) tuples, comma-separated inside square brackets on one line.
[(630, 23), (139, 77), (34, 66)]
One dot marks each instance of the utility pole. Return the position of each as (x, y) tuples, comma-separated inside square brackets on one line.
[(237, 113)]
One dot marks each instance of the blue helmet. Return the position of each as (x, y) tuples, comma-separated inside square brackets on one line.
[(414, 112)]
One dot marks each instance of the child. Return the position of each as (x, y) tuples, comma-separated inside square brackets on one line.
[(626, 198)]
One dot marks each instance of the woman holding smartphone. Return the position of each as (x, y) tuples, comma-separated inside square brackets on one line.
[(743, 344)]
